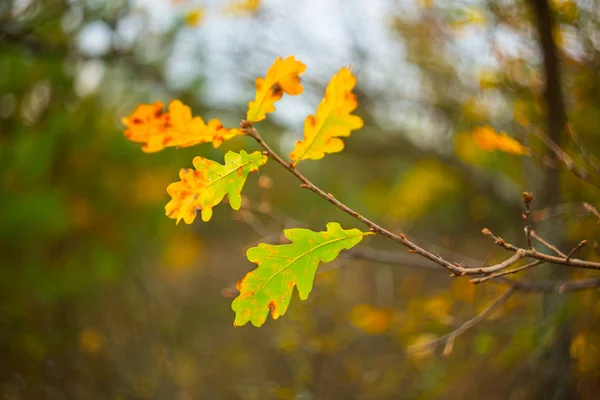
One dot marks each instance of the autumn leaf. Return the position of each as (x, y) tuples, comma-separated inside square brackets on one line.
[(269, 287), (332, 120), (282, 77), (205, 187), (487, 139), (157, 129)]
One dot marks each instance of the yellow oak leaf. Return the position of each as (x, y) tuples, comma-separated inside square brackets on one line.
[(157, 129), (332, 120), (205, 187), (488, 139), (282, 77)]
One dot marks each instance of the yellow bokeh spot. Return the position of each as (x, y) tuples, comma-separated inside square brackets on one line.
[(244, 7), (426, 185), (438, 306), (90, 341), (584, 352), (418, 341), (467, 150), (463, 290), (371, 320), (193, 18), (488, 78), (181, 252)]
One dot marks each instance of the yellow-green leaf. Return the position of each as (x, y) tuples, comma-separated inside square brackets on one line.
[(268, 289), (205, 187)]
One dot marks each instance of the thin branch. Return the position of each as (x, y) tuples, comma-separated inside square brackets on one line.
[(252, 132), (548, 245), (579, 246), (588, 158), (565, 158), (449, 338), (455, 268), (527, 199), (503, 273), (550, 286), (592, 210)]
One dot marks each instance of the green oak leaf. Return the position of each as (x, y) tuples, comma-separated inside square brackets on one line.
[(206, 187), (281, 267)]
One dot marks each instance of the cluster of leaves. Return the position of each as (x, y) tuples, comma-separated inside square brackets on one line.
[(280, 268), (268, 288)]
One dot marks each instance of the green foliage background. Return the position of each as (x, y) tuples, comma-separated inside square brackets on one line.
[(103, 297)]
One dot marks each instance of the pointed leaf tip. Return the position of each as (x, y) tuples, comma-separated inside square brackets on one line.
[(332, 120), (282, 77)]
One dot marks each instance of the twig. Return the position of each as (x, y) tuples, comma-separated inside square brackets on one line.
[(527, 199), (591, 209), (586, 156), (548, 245), (449, 338), (564, 157), (512, 271), (576, 248)]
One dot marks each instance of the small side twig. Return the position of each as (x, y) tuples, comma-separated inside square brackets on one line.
[(512, 271), (527, 199), (579, 246), (592, 210), (565, 158), (548, 245), (449, 338)]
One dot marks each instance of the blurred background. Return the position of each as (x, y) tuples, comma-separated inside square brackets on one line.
[(103, 297)]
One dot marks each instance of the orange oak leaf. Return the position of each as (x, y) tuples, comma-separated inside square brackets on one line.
[(488, 139), (157, 129), (332, 120), (206, 187), (282, 77)]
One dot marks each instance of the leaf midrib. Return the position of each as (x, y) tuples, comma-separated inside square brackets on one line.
[(321, 129), (302, 255)]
